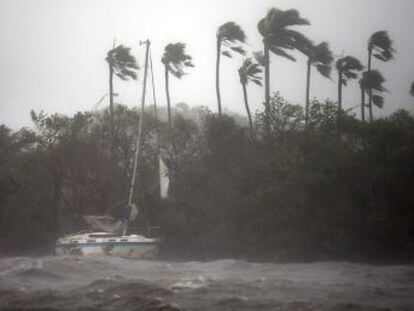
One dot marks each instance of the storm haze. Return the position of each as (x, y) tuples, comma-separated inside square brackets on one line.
[(52, 54)]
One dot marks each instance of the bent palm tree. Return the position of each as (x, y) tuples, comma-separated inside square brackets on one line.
[(279, 38), (379, 46), (319, 56), (122, 64), (372, 81), (231, 35), (412, 89), (175, 60), (347, 68), (248, 72)]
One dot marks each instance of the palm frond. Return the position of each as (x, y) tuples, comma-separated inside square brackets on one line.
[(378, 100), (238, 49), (381, 44), (231, 32), (348, 68), (122, 62), (276, 32), (412, 89), (176, 59), (248, 72), (227, 54), (372, 80)]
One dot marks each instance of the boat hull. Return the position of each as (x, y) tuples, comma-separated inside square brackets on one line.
[(126, 246)]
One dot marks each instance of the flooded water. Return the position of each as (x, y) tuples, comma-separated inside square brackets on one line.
[(105, 283)]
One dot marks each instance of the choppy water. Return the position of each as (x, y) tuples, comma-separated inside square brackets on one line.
[(105, 283)]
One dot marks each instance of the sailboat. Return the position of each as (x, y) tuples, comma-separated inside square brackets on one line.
[(108, 235)]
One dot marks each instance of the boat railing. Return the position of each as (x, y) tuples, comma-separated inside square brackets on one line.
[(150, 232)]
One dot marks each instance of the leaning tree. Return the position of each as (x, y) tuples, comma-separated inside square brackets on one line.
[(372, 81), (279, 38), (320, 57), (175, 61), (347, 68), (249, 71), (379, 46), (230, 36), (122, 64)]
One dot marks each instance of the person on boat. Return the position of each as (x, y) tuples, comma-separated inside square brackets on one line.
[(128, 213)]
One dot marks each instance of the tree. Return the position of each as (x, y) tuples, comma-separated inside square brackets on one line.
[(279, 38), (175, 60), (319, 56), (412, 89), (372, 81), (347, 68), (379, 46), (230, 35), (124, 66), (248, 72)]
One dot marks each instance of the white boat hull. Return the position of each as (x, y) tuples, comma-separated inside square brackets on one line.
[(131, 246)]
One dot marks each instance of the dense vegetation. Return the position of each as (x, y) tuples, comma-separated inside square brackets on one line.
[(291, 182), (326, 190)]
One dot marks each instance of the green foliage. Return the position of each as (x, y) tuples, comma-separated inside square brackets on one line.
[(381, 45), (176, 59), (373, 80), (295, 194), (122, 62), (348, 68), (248, 72), (229, 34), (276, 31)]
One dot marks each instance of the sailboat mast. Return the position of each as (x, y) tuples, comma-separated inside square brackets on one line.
[(157, 134), (141, 121)]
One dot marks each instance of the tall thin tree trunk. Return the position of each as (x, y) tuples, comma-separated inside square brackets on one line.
[(339, 92), (362, 105), (218, 77), (267, 86), (370, 90), (167, 92), (246, 103), (111, 103), (308, 74)]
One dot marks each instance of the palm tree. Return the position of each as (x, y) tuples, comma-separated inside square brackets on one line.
[(231, 36), (412, 89), (372, 81), (347, 68), (175, 60), (379, 46), (248, 72), (319, 56), (279, 38), (124, 66)]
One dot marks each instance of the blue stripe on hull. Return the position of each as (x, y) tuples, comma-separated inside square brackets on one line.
[(103, 244)]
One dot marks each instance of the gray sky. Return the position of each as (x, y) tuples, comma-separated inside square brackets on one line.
[(52, 51)]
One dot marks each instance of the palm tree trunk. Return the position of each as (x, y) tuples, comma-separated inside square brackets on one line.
[(362, 105), (370, 90), (111, 101), (246, 103), (167, 92), (308, 74), (267, 86), (218, 77), (339, 92)]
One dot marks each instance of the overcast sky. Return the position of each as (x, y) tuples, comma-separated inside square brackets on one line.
[(52, 52)]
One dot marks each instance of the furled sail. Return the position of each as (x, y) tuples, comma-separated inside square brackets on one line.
[(164, 179), (105, 223), (108, 223)]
